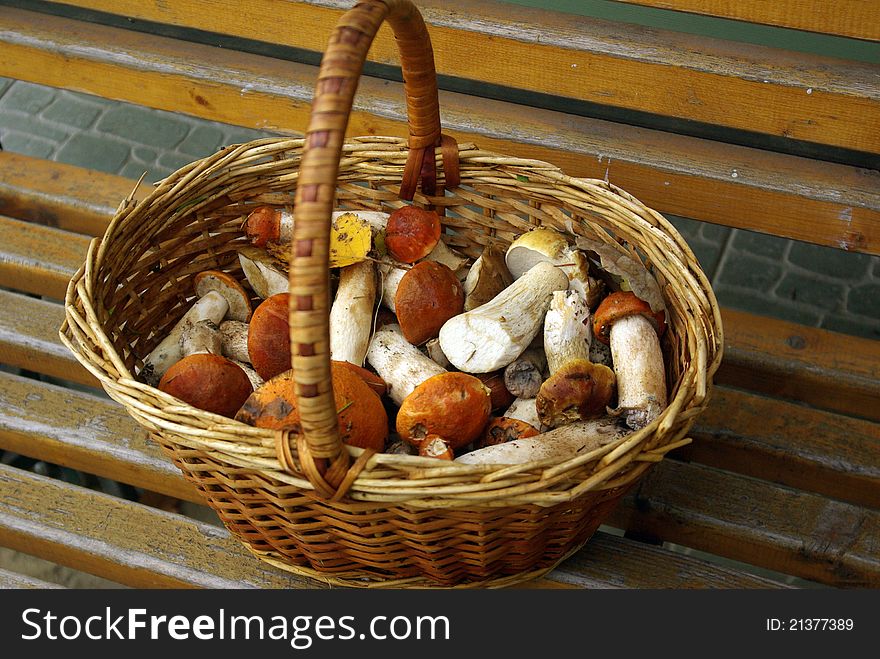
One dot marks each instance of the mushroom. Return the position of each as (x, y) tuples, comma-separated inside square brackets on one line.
[(262, 272), (351, 315), (525, 409), (576, 389), (524, 375), (427, 296), (362, 419), (498, 391), (455, 406), (411, 233), (435, 352), (269, 336), (273, 225), (233, 340), (491, 336), (632, 330), (216, 280), (547, 245), (487, 277), (399, 363), (212, 306), (501, 430), (435, 446), (559, 444), (203, 378)]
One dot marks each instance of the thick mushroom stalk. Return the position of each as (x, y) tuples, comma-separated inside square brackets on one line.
[(399, 363), (491, 336), (524, 375), (632, 330), (211, 306), (525, 409), (577, 389), (559, 444), (351, 316)]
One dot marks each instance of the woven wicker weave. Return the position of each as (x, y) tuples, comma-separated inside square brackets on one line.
[(310, 504)]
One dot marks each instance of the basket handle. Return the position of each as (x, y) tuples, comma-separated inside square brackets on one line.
[(321, 454)]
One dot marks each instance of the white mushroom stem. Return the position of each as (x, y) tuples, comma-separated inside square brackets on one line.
[(559, 444), (211, 306), (351, 316), (399, 363), (435, 352), (252, 375), (391, 273), (233, 335), (638, 367), (491, 336), (567, 334), (524, 409), (259, 268), (203, 336)]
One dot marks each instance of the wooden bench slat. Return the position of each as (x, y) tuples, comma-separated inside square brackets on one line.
[(15, 581), (617, 64), (756, 522), (55, 194), (147, 548), (29, 339), (830, 370), (812, 450), (87, 433), (793, 197), (125, 453), (846, 18), (39, 259)]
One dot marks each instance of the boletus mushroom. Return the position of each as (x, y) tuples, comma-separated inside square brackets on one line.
[(632, 329), (269, 336), (362, 419), (412, 233), (455, 406), (427, 296)]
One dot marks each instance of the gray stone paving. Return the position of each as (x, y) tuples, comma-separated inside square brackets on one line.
[(817, 286)]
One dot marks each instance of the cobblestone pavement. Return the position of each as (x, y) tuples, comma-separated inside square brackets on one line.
[(817, 286)]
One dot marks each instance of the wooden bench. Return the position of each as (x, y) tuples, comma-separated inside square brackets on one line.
[(781, 485)]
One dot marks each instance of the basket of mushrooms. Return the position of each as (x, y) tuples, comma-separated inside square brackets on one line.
[(398, 362)]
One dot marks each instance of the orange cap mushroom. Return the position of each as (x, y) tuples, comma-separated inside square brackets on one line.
[(269, 336), (454, 405), (621, 304), (428, 295), (411, 233), (504, 429), (434, 446), (209, 382), (363, 421)]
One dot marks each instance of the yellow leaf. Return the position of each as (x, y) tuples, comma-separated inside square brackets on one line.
[(350, 240)]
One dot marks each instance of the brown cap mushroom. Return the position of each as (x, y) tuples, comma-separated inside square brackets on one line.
[(455, 406), (577, 391), (209, 382), (268, 224), (503, 429), (632, 330), (363, 421), (428, 295), (269, 337), (411, 233)]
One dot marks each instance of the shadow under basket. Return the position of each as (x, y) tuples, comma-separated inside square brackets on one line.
[(395, 520)]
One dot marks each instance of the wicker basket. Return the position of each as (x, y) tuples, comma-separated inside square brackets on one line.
[(310, 504)]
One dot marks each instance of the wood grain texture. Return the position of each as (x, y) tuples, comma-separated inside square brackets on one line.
[(808, 449), (29, 339), (147, 548), (747, 188), (60, 195), (123, 541), (846, 18), (87, 433), (830, 370), (757, 522), (38, 259), (802, 96), (14, 581)]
